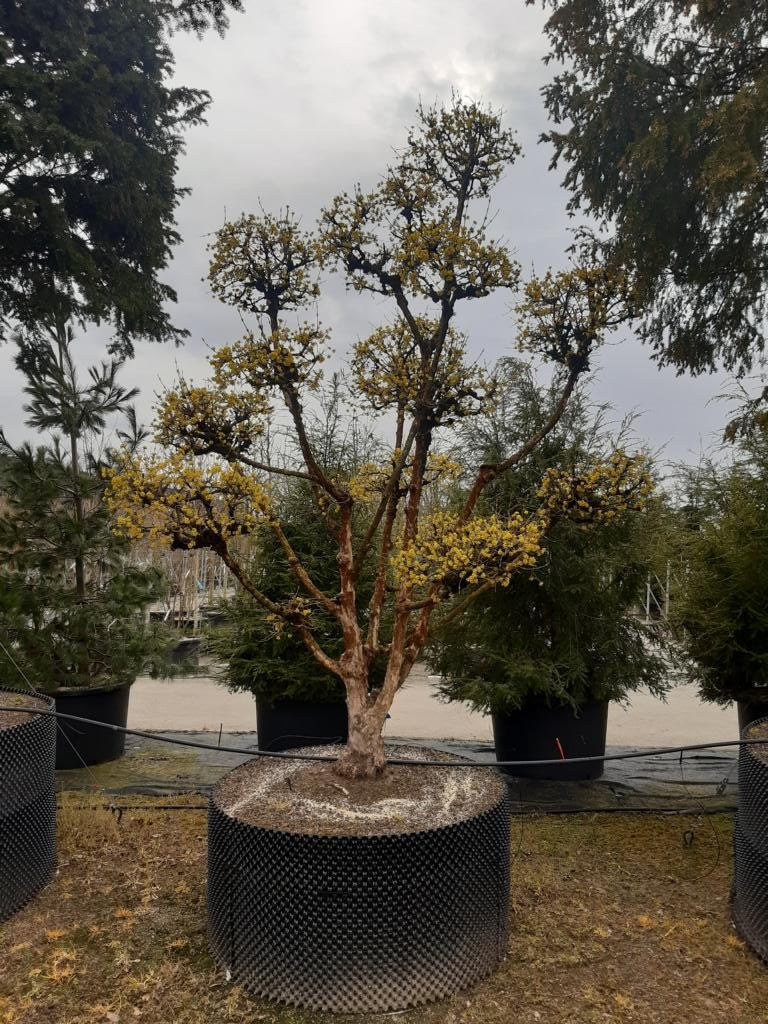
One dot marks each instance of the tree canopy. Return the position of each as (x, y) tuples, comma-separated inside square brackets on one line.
[(720, 608), (90, 135), (420, 238), (661, 114)]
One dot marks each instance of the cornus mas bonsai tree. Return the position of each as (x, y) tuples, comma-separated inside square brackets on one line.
[(420, 239)]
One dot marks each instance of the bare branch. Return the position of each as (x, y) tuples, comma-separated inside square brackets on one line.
[(301, 573), (490, 472), (276, 609)]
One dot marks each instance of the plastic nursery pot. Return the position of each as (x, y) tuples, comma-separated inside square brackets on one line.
[(749, 903), (541, 733), (27, 804), (287, 724), (358, 924), (78, 744)]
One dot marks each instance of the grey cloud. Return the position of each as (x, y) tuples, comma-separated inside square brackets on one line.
[(311, 97)]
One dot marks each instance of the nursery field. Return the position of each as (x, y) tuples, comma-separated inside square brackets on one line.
[(615, 918)]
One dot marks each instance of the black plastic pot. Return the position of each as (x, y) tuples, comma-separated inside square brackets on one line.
[(286, 724), (27, 809), (358, 924), (541, 733), (749, 903), (78, 744)]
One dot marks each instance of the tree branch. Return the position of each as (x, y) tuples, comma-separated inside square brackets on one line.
[(301, 573), (488, 473), (328, 663)]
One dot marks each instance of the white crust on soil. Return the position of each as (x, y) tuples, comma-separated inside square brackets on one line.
[(448, 795)]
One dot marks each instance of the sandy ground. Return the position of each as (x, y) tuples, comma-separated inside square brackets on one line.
[(199, 703)]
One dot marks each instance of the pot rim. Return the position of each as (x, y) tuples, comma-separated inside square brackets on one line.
[(365, 837)]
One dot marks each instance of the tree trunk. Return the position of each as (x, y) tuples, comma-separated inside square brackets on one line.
[(363, 757), (79, 517)]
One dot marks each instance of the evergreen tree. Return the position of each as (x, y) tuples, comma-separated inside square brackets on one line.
[(565, 633), (71, 606), (259, 655), (720, 609), (661, 114), (90, 135)]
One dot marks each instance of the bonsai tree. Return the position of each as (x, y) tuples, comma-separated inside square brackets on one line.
[(418, 238), (71, 608), (565, 632), (720, 608)]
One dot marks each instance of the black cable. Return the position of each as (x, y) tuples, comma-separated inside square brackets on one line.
[(677, 812), (160, 737)]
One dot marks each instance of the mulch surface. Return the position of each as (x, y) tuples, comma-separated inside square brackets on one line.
[(310, 797), (615, 918), (8, 719)]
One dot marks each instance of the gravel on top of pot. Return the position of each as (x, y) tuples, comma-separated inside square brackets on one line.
[(308, 797), (9, 719), (758, 731)]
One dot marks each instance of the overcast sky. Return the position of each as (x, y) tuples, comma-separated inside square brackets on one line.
[(310, 97)]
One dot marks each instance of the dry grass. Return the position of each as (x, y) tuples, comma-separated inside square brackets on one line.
[(615, 921)]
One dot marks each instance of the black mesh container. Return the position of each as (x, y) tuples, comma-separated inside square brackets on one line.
[(27, 807), (749, 904), (359, 924)]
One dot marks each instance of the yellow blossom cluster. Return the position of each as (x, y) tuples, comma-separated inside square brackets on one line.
[(597, 494), (262, 264), (450, 138), (284, 357), (436, 252), (449, 553), (183, 503), (202, 420), (297, 611), (415, 232), (368, 482), (371, 479), (442, 467), (564, 316), (391, 371)]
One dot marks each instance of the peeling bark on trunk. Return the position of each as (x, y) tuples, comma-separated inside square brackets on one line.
[(363, 757)]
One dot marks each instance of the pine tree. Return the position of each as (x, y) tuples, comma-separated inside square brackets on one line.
[(565, 633), (71, 605)]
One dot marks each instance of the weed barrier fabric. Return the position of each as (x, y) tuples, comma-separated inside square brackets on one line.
[(749, 904), (27, 807), (359, 924)]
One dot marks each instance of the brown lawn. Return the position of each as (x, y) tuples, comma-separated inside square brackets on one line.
[(614, 919)]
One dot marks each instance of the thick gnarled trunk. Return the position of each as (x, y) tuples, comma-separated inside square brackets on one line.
[(363, 757)]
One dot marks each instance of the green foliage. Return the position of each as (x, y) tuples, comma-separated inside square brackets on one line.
[(721, 609), (259, 657), (662, 115), (564, 633), (71, 607), (90, 135)]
